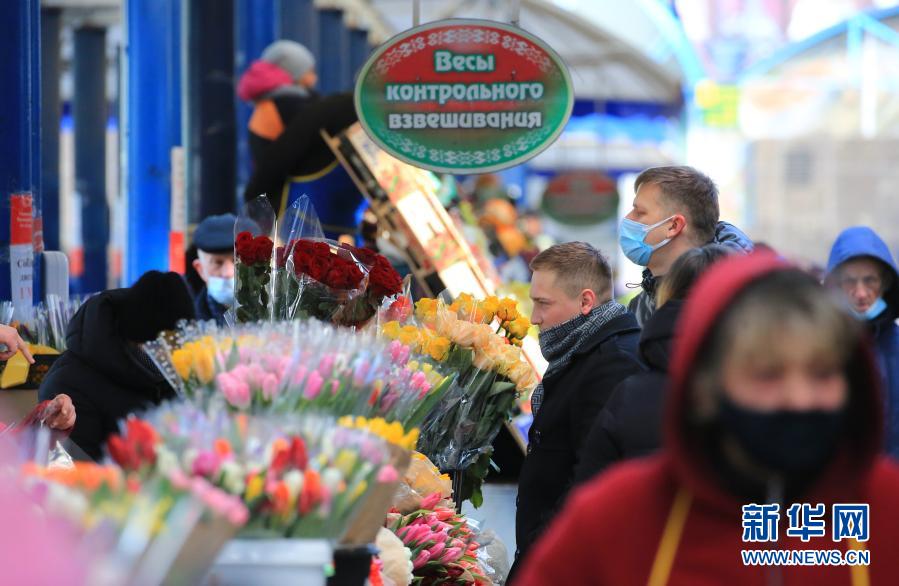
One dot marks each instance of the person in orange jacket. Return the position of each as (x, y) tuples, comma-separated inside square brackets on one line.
[(773, 404)]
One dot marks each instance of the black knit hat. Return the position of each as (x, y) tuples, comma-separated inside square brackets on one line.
[(156, 302)]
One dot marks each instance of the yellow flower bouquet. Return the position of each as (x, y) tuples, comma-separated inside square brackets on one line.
[(479, 340)]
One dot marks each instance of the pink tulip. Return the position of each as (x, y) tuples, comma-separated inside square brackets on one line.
[(416, 534), (436, 550), (313, 385), (388, 474), (283, 366), (398, 352), (238, 515), (236, 392), (334, 386), (421, 560), (326, 365), (270, 386), (247, 354), (419, 380), (362, 369), (424, 390), (444, 514), (255, 374), (429, 502), (450, 555), (206, 465), (298, 376)]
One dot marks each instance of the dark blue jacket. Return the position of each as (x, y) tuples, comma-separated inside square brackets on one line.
[(860, 242), (208, 308)]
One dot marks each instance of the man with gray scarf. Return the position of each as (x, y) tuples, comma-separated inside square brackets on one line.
[(590, 341)]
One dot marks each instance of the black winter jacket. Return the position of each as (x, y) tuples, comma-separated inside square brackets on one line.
[(106, 376), (630, 425), (300, 148), (571, 401)]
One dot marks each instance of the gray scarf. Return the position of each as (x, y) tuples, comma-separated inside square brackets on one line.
[(561, 343)]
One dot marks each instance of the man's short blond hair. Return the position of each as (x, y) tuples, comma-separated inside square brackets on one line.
[(577, 266)]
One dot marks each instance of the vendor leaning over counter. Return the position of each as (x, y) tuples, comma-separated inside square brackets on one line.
[(104, 370)]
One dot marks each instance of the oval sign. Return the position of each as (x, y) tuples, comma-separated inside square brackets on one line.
[(464, 96), (581, 198)]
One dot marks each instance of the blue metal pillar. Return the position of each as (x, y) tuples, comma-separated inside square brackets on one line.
[(151, 126), (208, 92), (19, 132), (334, 73), (299, 21), (90, 114), (359, 51), (255, 28), (51, 111)]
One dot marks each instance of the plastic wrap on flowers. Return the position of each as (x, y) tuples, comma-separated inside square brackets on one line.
[(331, 283), (156, 530), (254, 286), (493, 556), (301, 476), (303, 365), (422, 478), (442, 544), (299, 222)]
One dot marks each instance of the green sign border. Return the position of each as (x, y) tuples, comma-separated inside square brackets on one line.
[(546, 143)]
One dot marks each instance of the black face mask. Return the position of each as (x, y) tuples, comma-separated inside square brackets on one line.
[(787, 442)]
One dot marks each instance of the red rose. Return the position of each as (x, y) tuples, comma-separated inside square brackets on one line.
[(264, 246), (243, 238), (365, 255), (383, 280)]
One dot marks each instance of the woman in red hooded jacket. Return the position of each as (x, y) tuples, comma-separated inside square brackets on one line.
[(773, 401)]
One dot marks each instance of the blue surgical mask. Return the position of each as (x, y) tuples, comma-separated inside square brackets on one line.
[(876, 309), (221, 289), (632, 236)]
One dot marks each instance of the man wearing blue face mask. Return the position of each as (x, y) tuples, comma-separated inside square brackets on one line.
[(862, 268), (214, 239), (675, 210)]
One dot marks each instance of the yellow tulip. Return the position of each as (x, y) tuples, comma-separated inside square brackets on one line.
[(391, 330), (359, 490), (254, 488), (507, 310), (182, 360), (345, 462), (204, 365)]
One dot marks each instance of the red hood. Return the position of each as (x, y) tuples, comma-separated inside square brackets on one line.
[(709, 298), (261, 78)]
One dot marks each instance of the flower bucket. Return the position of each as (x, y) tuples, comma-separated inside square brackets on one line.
[(271, 562)]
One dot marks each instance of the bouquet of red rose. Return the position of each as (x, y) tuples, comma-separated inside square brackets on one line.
[(331, 282), (299, 221), (383, 280), (253, 277), (254, 286)]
